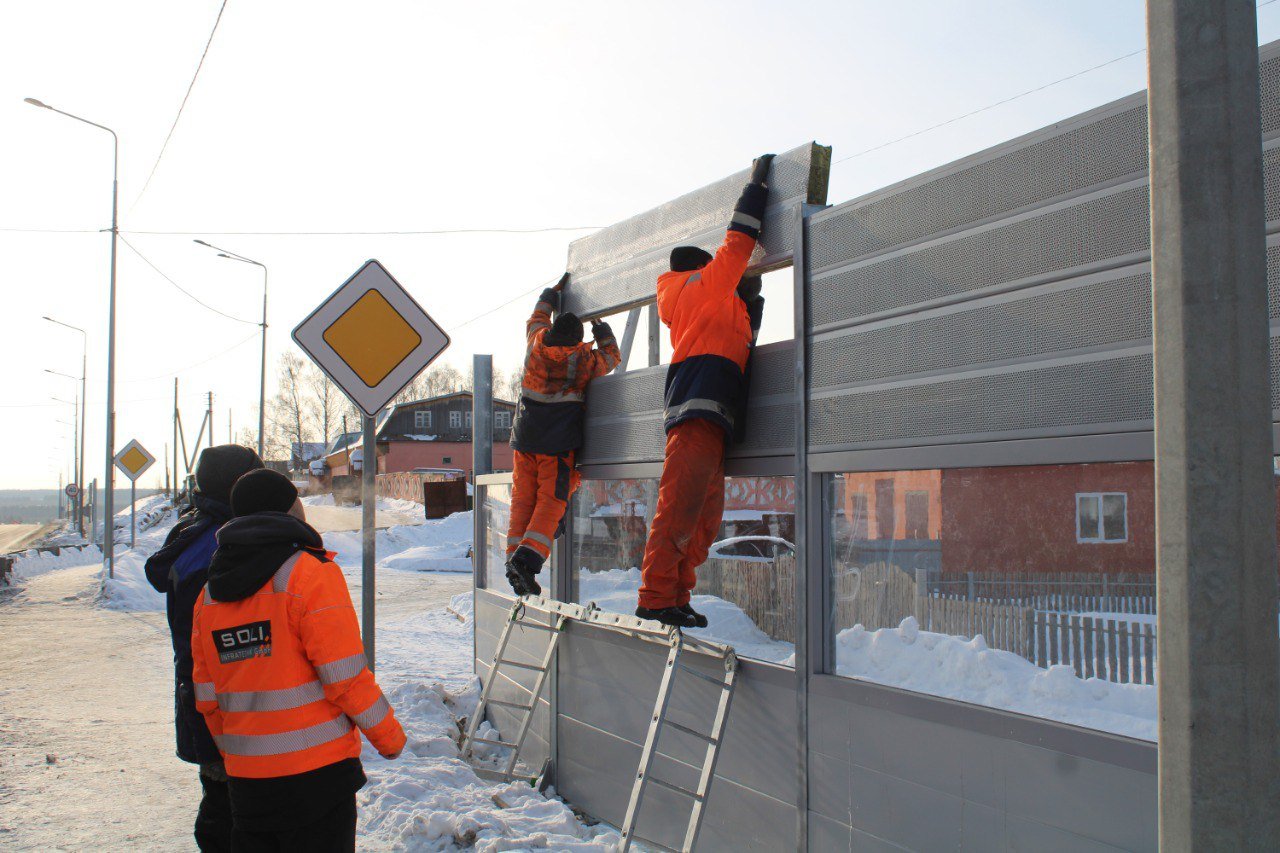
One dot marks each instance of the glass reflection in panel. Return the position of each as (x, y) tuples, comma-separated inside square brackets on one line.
[(496, 515), (1027, 588), (745, 587)]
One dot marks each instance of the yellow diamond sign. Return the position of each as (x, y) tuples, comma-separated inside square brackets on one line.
[(133, 460), (371, 337)]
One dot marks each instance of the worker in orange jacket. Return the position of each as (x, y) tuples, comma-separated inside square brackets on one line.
[(714, 314), (281, 678), (548, 430)]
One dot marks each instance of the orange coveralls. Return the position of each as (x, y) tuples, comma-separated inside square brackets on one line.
[(711, 336), (281, 677), (548, 429)]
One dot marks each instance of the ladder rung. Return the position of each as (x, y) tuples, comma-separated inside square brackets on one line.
[(672, 787), (709, 678), (651, 842), (518, 665), (509, 704), (494, 742), (699, 735)]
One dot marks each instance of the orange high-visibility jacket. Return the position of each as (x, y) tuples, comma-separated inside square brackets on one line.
[(554, 389), (281, 678), (710, 329)]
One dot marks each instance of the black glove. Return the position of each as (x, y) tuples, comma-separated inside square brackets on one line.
[(749, 287), (560, 285), (755, 312), (760, 168), (600, 330), (551, 296)]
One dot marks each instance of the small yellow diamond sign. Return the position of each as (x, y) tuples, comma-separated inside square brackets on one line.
[(371, 337), (133, 460)]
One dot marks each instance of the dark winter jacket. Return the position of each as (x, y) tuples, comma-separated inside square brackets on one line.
[(179, 570), (251, 549)]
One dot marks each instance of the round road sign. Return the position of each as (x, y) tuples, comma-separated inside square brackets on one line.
[(72, 490)]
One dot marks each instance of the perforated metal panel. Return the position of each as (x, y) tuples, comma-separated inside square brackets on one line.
[(624, 412), (1111, 224), (618, 267)]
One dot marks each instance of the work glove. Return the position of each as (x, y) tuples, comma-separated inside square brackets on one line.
[(600, 329), (749, 287), (755, 312), (551, 296), (760, 169), (560, 285)]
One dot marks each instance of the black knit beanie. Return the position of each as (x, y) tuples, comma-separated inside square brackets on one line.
[(263, 490), (219, 468), (686, 258), (566, 331)]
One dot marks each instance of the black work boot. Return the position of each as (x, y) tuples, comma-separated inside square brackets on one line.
[(697, 617), (668, 616), (522, 571)]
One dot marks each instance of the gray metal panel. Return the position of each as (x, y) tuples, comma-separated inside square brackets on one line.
[(618, 267), (624, 412), (878, 771)]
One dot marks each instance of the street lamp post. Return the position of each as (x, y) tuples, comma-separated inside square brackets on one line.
[(108, 551), (262, 377), (75, 450), (84, 414)]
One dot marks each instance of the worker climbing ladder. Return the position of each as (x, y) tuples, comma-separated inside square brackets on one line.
[(558, 614)]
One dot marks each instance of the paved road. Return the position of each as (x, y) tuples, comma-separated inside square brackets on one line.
[(93, 688), (15, 537)]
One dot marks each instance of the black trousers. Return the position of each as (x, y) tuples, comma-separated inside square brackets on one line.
[(334, 832), (213, 820)]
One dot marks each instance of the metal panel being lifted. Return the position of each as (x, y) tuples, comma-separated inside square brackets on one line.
[(617, 267)]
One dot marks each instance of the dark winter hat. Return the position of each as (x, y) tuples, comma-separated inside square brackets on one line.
[(219, 468), (566, 331), (686, 258), (263, 490)]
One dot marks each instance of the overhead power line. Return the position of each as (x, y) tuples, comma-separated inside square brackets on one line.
[(181, 106), (427, 233), (182, 289), (169, 374)]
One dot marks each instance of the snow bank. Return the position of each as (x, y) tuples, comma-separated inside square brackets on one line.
[(615, 590), (32, 563), (437, 545), (966, 670), (318, 500)]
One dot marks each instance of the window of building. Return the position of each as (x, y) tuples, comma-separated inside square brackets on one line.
[(446, 460), (455, 419), (1102, 517), (467, 418), (422, 419), (916, 509), (502, 420), (885, 519)]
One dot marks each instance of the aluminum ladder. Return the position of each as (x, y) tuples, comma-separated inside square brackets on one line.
[(677, 643)]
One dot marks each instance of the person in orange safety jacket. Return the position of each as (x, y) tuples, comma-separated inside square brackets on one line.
[(548, 430), (281, 678), (714, 314)]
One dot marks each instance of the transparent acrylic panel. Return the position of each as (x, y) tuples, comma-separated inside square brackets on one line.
[(746, 585), (495, 512), (1027, 588)]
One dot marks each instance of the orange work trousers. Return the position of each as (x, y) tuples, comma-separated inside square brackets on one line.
[(688, 515), (542, 484)]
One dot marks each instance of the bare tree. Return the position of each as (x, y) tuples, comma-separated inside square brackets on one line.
[(289, 411), (507, 384), (327, 402)]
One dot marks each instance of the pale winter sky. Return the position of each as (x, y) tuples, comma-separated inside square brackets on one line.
[(410, 116)]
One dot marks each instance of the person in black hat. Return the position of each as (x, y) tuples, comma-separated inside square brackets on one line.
[(179, 570)]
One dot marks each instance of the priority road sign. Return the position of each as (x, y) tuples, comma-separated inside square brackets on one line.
[(133, 460), (371, 337), (72, 490)]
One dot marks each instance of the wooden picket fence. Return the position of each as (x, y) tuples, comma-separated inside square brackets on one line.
[(1071, 592), (765, 590)]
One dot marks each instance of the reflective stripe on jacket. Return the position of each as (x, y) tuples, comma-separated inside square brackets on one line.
[(281, 677), (710, 330), (554, 389)]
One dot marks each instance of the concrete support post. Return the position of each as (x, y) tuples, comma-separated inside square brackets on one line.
[(368, 542), (1215, 491), (482, 416)]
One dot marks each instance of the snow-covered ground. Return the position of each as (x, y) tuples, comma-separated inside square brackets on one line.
[(86, 716)]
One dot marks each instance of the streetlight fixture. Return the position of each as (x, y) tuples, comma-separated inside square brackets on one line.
[(75, 449), (108, 535), (262, 378), (84, 412)]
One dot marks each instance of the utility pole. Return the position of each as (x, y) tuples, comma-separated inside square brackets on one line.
[(1215, 488)]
